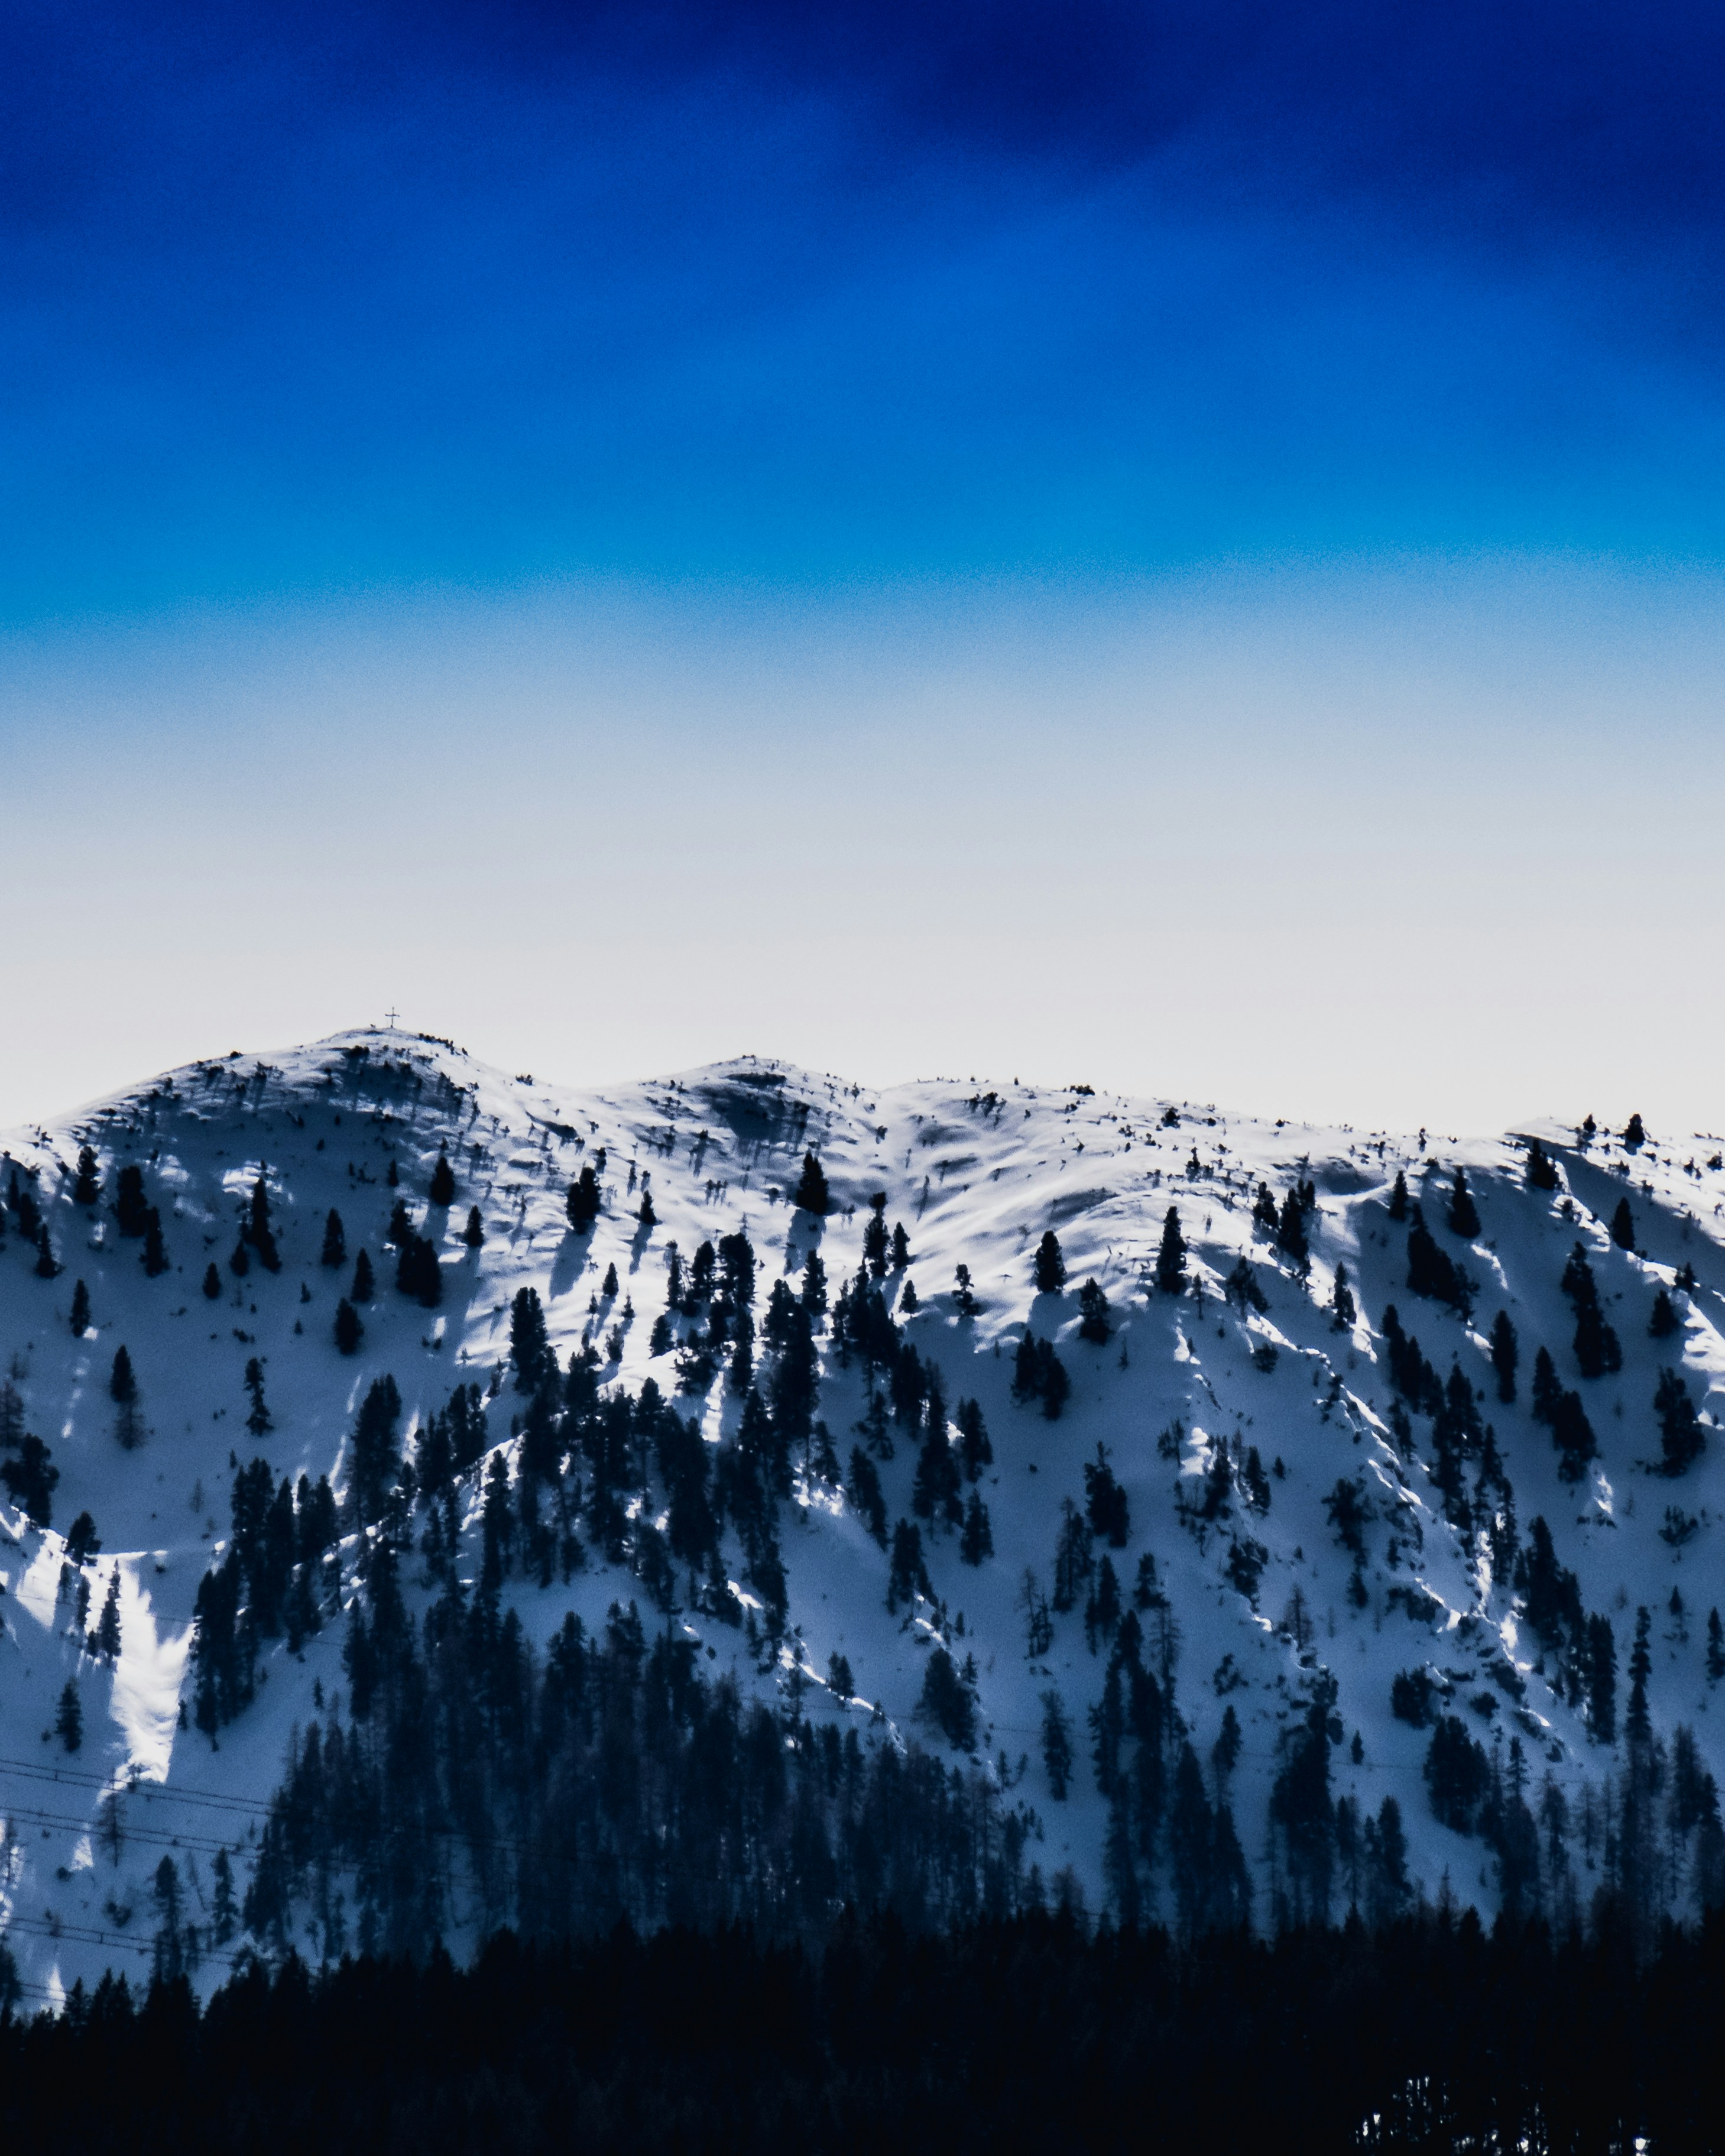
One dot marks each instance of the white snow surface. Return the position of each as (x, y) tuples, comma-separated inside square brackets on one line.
[(976, 1171)]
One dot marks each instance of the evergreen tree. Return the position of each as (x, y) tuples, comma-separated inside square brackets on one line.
[(977, 1541), (874, 1240), (608, 1286), (583, 1202), (964, 1300), (811, 1194), (154, 1258), (1341, 1302), (1506, 1352), (82, 1540), (131, 1208), (68, 1718), (107, 1632), (1573, 1435), (1399, 1196), (1057, 1755), (1290, 1231), (1050, 1265), (122, 1380), (900, 1248), (814, 1297), (866, 1495), (349, 1329), (474, 1234), (1463, 1216), (364, 1287), (335, 1239), (1542, 1169), (1093, 1306), (975, 1451), (1716, 1647), (1105, 1502), (31, 1478), (1665, 1321), (1680, 1436), (442, 1191), (529, 1342), (212, 1283), (80, 1311), (376, 1459), (88, 1187), (907, 1303), (1548, 1389), (1623, 1226), (259, 1420), (46, 1266), (948, 1700), (1634, 1134), (258, 1231), (644, 1214), (1600, 1677)]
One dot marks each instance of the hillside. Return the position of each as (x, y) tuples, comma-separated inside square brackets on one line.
[(1300, 1503)]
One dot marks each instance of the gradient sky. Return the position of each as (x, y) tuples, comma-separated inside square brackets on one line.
[(1178, 546)]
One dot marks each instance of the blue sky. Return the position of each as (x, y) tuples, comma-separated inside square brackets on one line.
[(989, 423)]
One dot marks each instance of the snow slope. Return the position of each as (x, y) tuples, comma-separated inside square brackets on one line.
[(976, 1173)]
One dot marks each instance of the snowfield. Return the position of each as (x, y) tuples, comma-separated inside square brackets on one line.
[(1263, 1596)]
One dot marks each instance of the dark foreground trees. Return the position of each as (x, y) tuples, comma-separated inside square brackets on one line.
[(1024, 2034)]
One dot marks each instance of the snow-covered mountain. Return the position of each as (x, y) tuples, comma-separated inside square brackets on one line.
[(1314, 1506)]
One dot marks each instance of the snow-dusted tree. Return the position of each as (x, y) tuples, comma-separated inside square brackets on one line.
[(443, 1181), (811, 1194), (1051, 1269)]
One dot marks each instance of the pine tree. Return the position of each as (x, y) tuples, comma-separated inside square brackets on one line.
[(80, 1311), (1681, 1437), (977, 1541), (1463, 1216), (964, 1300), (364, 1287), (1050, 1265), (608, 1286), (1623, 1226), (443, 1181), (1399, 1196), (1634, 1134), (376, 1459), (224, 1914), (1105, 1502), (31, 1478), (69, 1719), (811, 1194), (583, 1202), (259, 1420), (1600, 1677), (1716, 1647), (974, 1450), (212, 1283), (122, 1380), (155, 1258), (874, 1236), (900, 1248), (1542, 1169), (1057, 1756), (1341, 1302), (1548, 1390), (130, 1207), (46, 1266), (529, 1342), (88, 1187), (107, 1632), (1664, 1320), (258, 1231), (644, 1214), (908, 1301), (1290, 1231), (474, 1234), (335, 1241), (1506, 1352), (349, 1329), (1093, 1306)]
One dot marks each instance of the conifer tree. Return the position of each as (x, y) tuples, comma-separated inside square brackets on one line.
[(335, 1241), (1634, 1134), (900, 1248), (122, 1380), (644, 1214), (1342, 1301), (1050, 1265), (1541, 1168), (1093, 1322), (1399, 1196), (107, 1632), (1105, 1502), (1463, 1216), (529, 1342), (964, 1300), (974, 1450), (875, 1241), (88, 1187), (474, 1234), (813, 1295), (977, 1541), (583, 1202), (1600, 1678), (364, 1287), (1664, 1320), (1681, 1438), (1057, 1755), (608, 1286), (442, 1191), (259, 1420), (376, 1450), (811, 1194), (68, 1718), (908, 1301), (349, 1329), (1548, 1390), (1716, 1647), (130, 1207), (80, 1311), (1290, 1230), (258, 1231), (46, 1266), (1506, 1352), (31, 1478), (154, 1258), (212, 1283)]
